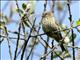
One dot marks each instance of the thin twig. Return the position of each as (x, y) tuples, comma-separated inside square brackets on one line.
[(18, 34), (8, 43), (59, 56), (75, 47), (12, 37), (48, 53), (46, 48), (1, 40), (17, 41), (45, 4), (52, 47), (31, 49), (15, 32), (52, 7), (70, 16), (25, 44)]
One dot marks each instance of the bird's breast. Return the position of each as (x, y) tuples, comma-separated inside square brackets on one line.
[(48, 24)]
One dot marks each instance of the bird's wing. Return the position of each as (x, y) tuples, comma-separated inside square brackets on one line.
[(57, 29)]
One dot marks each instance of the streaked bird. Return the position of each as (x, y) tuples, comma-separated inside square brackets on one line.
[(51, 28)]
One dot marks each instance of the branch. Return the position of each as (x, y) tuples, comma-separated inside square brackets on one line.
[(75, 47), (52, 43), (18, 34), (46, 48), (48, 53), (8, 43), (25, 44), (52, 50), (45, 4), (12, 37), (54, 31), (53, 4), (70, 16)]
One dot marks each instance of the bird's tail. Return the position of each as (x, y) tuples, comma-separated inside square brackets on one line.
[(62, 47)]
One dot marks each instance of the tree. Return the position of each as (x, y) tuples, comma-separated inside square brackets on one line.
[(28, 34)]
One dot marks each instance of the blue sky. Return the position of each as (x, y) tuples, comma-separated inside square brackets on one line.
[(75, 9)]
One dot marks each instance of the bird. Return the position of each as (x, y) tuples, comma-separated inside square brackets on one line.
[(51, 27)]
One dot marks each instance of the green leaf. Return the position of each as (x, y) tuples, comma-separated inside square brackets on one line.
[(6, 31), (66, 55), (33, 4), (24, 6), (2, 24), (57, 53), (26, 23), (19, 11), (6, 19), (78, 22)]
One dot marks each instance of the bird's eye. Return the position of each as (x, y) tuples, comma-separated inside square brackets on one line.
[(45, 13)]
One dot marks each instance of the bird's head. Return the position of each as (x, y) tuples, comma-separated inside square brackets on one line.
[(47, 14)]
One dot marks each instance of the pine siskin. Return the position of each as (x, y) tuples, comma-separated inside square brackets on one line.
[(50, 25)]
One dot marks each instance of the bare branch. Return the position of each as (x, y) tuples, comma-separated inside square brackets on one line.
[(70, 16)]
